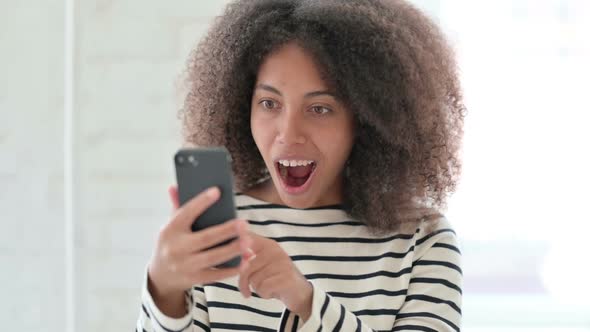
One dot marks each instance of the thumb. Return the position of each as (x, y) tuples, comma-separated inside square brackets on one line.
[(173, 193)]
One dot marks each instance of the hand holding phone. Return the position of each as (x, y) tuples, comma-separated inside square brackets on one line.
[(182, 259), (203, 233)]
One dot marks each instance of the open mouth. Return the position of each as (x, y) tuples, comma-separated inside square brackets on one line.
[(296, 178)]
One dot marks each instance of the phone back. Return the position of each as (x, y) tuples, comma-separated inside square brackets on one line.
[(200, 168)]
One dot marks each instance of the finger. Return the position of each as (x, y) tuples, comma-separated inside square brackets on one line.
[(188, 212), (242, 228), (254, 265), (173, 193), (213, 235), (244, 264), (258, 242), (257, 278), (269, 287), (244, 285), (216, 256), (246, 244), (248, 255), (246, 240), (214, 275)]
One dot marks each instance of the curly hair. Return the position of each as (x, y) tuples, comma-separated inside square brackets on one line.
[(389, 64)]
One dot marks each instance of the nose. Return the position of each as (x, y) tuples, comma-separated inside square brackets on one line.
[(291, 129)]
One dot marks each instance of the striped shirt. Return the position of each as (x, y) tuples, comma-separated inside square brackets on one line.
[(404, 281)]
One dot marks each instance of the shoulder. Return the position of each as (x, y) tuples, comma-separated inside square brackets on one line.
[(437, 236)]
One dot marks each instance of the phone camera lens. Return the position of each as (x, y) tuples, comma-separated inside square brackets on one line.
[(193, 161), (180, 159)]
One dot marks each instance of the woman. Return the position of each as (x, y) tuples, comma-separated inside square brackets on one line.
[(344, 121)]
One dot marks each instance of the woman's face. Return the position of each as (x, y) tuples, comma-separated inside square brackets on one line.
[(304, 133)]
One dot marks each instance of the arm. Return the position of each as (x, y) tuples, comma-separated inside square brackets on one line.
[(326, 313), (434, 295), (432, 304), (195, 319)]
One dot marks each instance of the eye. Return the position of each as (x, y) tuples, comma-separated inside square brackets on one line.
[(268, 104), (320, 110)]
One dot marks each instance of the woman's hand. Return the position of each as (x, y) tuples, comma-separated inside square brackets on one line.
[(272, 274), (180, 259)]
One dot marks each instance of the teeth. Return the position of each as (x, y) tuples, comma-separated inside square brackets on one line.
[(293, 163)]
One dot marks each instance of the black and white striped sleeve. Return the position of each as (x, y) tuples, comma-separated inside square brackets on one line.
[(326, 314), (433, 301), (151, 319)]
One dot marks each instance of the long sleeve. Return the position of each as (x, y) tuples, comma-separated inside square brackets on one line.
[(151, 319), (432, 302), (326, 314)]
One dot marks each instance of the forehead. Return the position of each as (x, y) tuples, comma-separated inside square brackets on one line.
[(291, 67)]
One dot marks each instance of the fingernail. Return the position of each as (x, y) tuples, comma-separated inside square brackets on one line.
[(212, 192)]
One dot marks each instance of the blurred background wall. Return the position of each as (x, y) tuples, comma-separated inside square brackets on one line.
[(103, 169), (31, 165), (127, 59)]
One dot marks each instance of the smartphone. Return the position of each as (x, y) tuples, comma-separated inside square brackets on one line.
[(198, 169)]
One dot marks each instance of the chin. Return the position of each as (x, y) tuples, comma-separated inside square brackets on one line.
[(301, 202)]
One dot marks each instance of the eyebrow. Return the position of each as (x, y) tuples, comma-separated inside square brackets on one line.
[(307, 95)]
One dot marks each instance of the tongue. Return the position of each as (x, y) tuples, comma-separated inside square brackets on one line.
[(299, 171)]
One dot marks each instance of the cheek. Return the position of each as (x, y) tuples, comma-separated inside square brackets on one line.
[(260, 133), (345, 136), (337, 145)]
